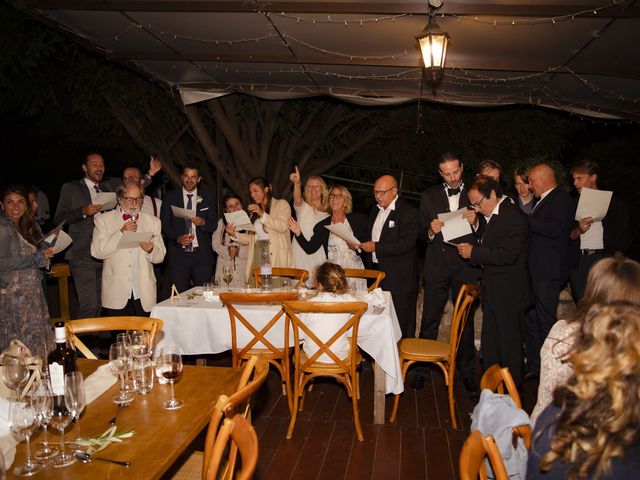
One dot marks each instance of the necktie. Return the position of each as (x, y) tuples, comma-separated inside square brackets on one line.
[(453, 191), (187, 222), (96, 188), (126, 216)]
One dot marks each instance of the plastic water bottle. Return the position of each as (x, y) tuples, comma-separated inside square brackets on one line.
[(266, 272)]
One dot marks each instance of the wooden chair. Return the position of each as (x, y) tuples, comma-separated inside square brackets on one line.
[(376, 275), (496, 379), (259, 345), (106, 324), (298, 273), (443, 354), (307, 368), (236, 435), (61, 272), (475, 448)]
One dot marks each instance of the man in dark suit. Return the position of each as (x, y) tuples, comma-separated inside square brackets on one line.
[(591, 241), (393, 226), (77, 207), (444, 271), (549, 224), (503, 254), (191, 257)]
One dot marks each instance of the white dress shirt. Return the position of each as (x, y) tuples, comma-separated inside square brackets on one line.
[(376, 230), (194, 207)]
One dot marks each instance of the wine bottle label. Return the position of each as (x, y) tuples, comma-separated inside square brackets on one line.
[(57, 378)]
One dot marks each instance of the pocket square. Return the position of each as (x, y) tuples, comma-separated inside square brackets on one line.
[(203, 209), (392, 224)]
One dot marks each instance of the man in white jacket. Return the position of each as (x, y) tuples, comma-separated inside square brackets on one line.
[(128, 281)]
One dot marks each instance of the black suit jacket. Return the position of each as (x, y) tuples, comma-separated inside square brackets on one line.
[(320, 237), (173, 227), (616, 234), (440, 258), (74, 196), (549, 225), (503, 253), (396, 249)]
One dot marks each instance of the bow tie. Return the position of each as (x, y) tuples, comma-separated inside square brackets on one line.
[(453, 191), (126, 216)]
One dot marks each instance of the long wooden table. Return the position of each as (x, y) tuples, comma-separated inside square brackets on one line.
[(161, 435)]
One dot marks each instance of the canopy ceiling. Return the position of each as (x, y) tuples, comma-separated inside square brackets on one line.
[(581, 56)]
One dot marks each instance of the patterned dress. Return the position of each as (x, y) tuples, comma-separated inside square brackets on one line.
[(23, 309)]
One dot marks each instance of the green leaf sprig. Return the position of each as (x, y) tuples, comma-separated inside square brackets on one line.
[(100, 442)]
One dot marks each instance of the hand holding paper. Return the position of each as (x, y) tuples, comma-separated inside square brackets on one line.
[(133, 239), (342, 231), (106, 199), (593, 203), (455, 225)]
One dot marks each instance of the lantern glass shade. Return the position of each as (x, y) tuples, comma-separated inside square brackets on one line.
[(433, 44)]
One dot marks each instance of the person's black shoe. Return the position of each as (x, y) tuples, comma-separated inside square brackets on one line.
[(532, 376), (418, 381)]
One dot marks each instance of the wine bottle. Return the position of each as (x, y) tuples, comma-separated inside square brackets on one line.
[(61, 360)]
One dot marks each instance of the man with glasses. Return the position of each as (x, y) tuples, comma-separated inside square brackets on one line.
[(128, 281), (393, 226), (503, 253), (444, 270)]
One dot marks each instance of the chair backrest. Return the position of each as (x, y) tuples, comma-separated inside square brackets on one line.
[(466, 297), (61, 272), (231, 299), (236, 435), (298, 273), (106, 324), (376, 275), (474, 450), (355, 309), (496, 379), (238, 402)]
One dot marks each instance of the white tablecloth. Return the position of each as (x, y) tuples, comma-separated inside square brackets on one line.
[(197, 327)]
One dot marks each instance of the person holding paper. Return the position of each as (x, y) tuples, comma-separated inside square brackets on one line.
[(128, 281), (23, 308), (549, 226), (337, 249), (592, 240), (310, 209), (231, 246), (444, 270), (503, 254), (78, 207), (191, 258)]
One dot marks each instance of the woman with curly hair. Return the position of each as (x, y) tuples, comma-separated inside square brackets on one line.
[(591, 430)]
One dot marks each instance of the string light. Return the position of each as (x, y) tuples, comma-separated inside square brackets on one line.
[(350, 56), (359, 22)]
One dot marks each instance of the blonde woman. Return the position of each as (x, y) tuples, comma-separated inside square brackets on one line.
[(591, 430), (310, 208)]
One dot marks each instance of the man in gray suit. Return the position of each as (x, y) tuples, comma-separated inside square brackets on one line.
[(77, 207)]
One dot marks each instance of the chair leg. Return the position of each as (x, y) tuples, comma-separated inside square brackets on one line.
[(452, 410), (294, 410), (396, 400), (356, 417)]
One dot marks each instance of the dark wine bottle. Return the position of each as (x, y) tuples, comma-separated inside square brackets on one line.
[(61, 360)]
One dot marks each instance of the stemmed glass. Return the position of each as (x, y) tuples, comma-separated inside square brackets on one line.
[(74, 396), (190, 233), (60, 420), (140, 344), (171, 368), (125, 339), (118, 361), (43, 403), (15, 373), (23, 423), (227, 275)]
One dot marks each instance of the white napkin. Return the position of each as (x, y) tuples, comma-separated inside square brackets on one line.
[(376, 298), (98, 382), (7, 442)]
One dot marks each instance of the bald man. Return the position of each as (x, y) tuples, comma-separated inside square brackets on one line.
[(393, 226), (549, 225)]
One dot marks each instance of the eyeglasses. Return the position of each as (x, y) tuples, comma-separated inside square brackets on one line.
[(335, 195), (477, 205), (134, 199), (381, 193)]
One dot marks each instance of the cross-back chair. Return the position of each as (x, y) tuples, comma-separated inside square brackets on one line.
[(277, 355), (306, 368), (472, 455), (497, 379), (107, 324), (376, 275), (412, 350), (298, 274), (236, 435)]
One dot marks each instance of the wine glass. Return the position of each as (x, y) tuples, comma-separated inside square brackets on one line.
[(23, 421), (43, 403), (171, 368), (189, 232), (15, 373), (227, 275), (74, 396), (60, 420), (118, 361), (140, 344)]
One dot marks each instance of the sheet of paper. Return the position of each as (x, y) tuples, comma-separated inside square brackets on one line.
[(240, 220), (342, 231), (63, 241), (52, 235), (593, 203), (455, 226), (183, 212), (132, 239), (106, 199)]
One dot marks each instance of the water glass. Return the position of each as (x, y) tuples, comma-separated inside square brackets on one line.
[(118, 362), (143, 376)]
